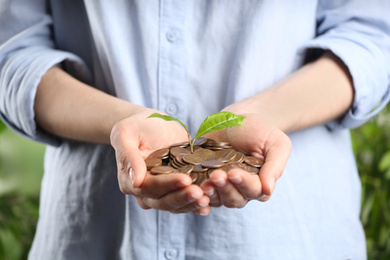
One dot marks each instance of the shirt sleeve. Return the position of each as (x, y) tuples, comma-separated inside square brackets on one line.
[(358, 32), (27, 51)]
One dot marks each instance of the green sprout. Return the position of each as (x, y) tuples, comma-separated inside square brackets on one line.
[(212, 123)]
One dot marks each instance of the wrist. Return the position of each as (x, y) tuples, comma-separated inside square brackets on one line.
[(315, 94)]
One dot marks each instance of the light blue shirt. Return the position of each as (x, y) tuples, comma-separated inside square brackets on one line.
[(190, 59)]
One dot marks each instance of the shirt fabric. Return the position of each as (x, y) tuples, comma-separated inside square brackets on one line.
[(191, 59)]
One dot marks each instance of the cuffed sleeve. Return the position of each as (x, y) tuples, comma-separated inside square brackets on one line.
[(358, 32), (26, 53)]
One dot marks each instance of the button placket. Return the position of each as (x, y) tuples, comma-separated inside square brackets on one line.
[(171, 99)]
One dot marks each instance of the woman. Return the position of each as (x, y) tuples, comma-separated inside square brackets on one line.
[(80, 75)]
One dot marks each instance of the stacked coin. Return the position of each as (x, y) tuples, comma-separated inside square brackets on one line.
[(208, 155)]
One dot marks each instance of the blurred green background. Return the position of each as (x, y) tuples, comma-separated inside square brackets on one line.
[(21, 168)]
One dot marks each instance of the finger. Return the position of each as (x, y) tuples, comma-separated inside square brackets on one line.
[(248, 185), (157, 186), (175, 200), (204, 211), (199, 206), (275, 160), (228, 194), (209, 189)]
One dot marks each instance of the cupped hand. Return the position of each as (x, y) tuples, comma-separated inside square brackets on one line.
[(258, 138), (133, 139)]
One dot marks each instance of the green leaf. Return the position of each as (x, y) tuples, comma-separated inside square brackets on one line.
[(212, 123), (219, 121), (169, 118)]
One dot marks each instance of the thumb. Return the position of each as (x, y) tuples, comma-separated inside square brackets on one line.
[(137, 167), (276, 158), (131, 166)]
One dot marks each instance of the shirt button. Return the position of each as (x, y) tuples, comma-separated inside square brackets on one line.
[(171, 254), (172, 36), (171, 109)]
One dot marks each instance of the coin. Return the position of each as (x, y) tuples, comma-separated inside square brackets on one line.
[(186, 169), (192, 159), (201, 178), (181, 144), (212, 163), (194, 148), (177, 150), (208, 155), (232, 165), (162, 170), (174, 164), (225, 155), (179, 159), (218, 143), (205, 154), (198, 168), (200, 141), (252, 170), (160, 153), (194, 176), (253, 161), (152, 162), (239, 157)]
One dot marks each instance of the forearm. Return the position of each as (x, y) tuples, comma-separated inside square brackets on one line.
[(316, 93), (69, 108)]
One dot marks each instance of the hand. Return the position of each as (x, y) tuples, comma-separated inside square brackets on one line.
[(258, 138), (133, 139)]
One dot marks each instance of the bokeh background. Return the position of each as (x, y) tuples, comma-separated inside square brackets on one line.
[(21, 170)]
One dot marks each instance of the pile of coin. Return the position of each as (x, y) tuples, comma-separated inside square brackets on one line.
[(208, 155)]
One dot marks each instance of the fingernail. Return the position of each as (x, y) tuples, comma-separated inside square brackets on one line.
[(264, 197), (202, 204), (132, 176), (203, 213)]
